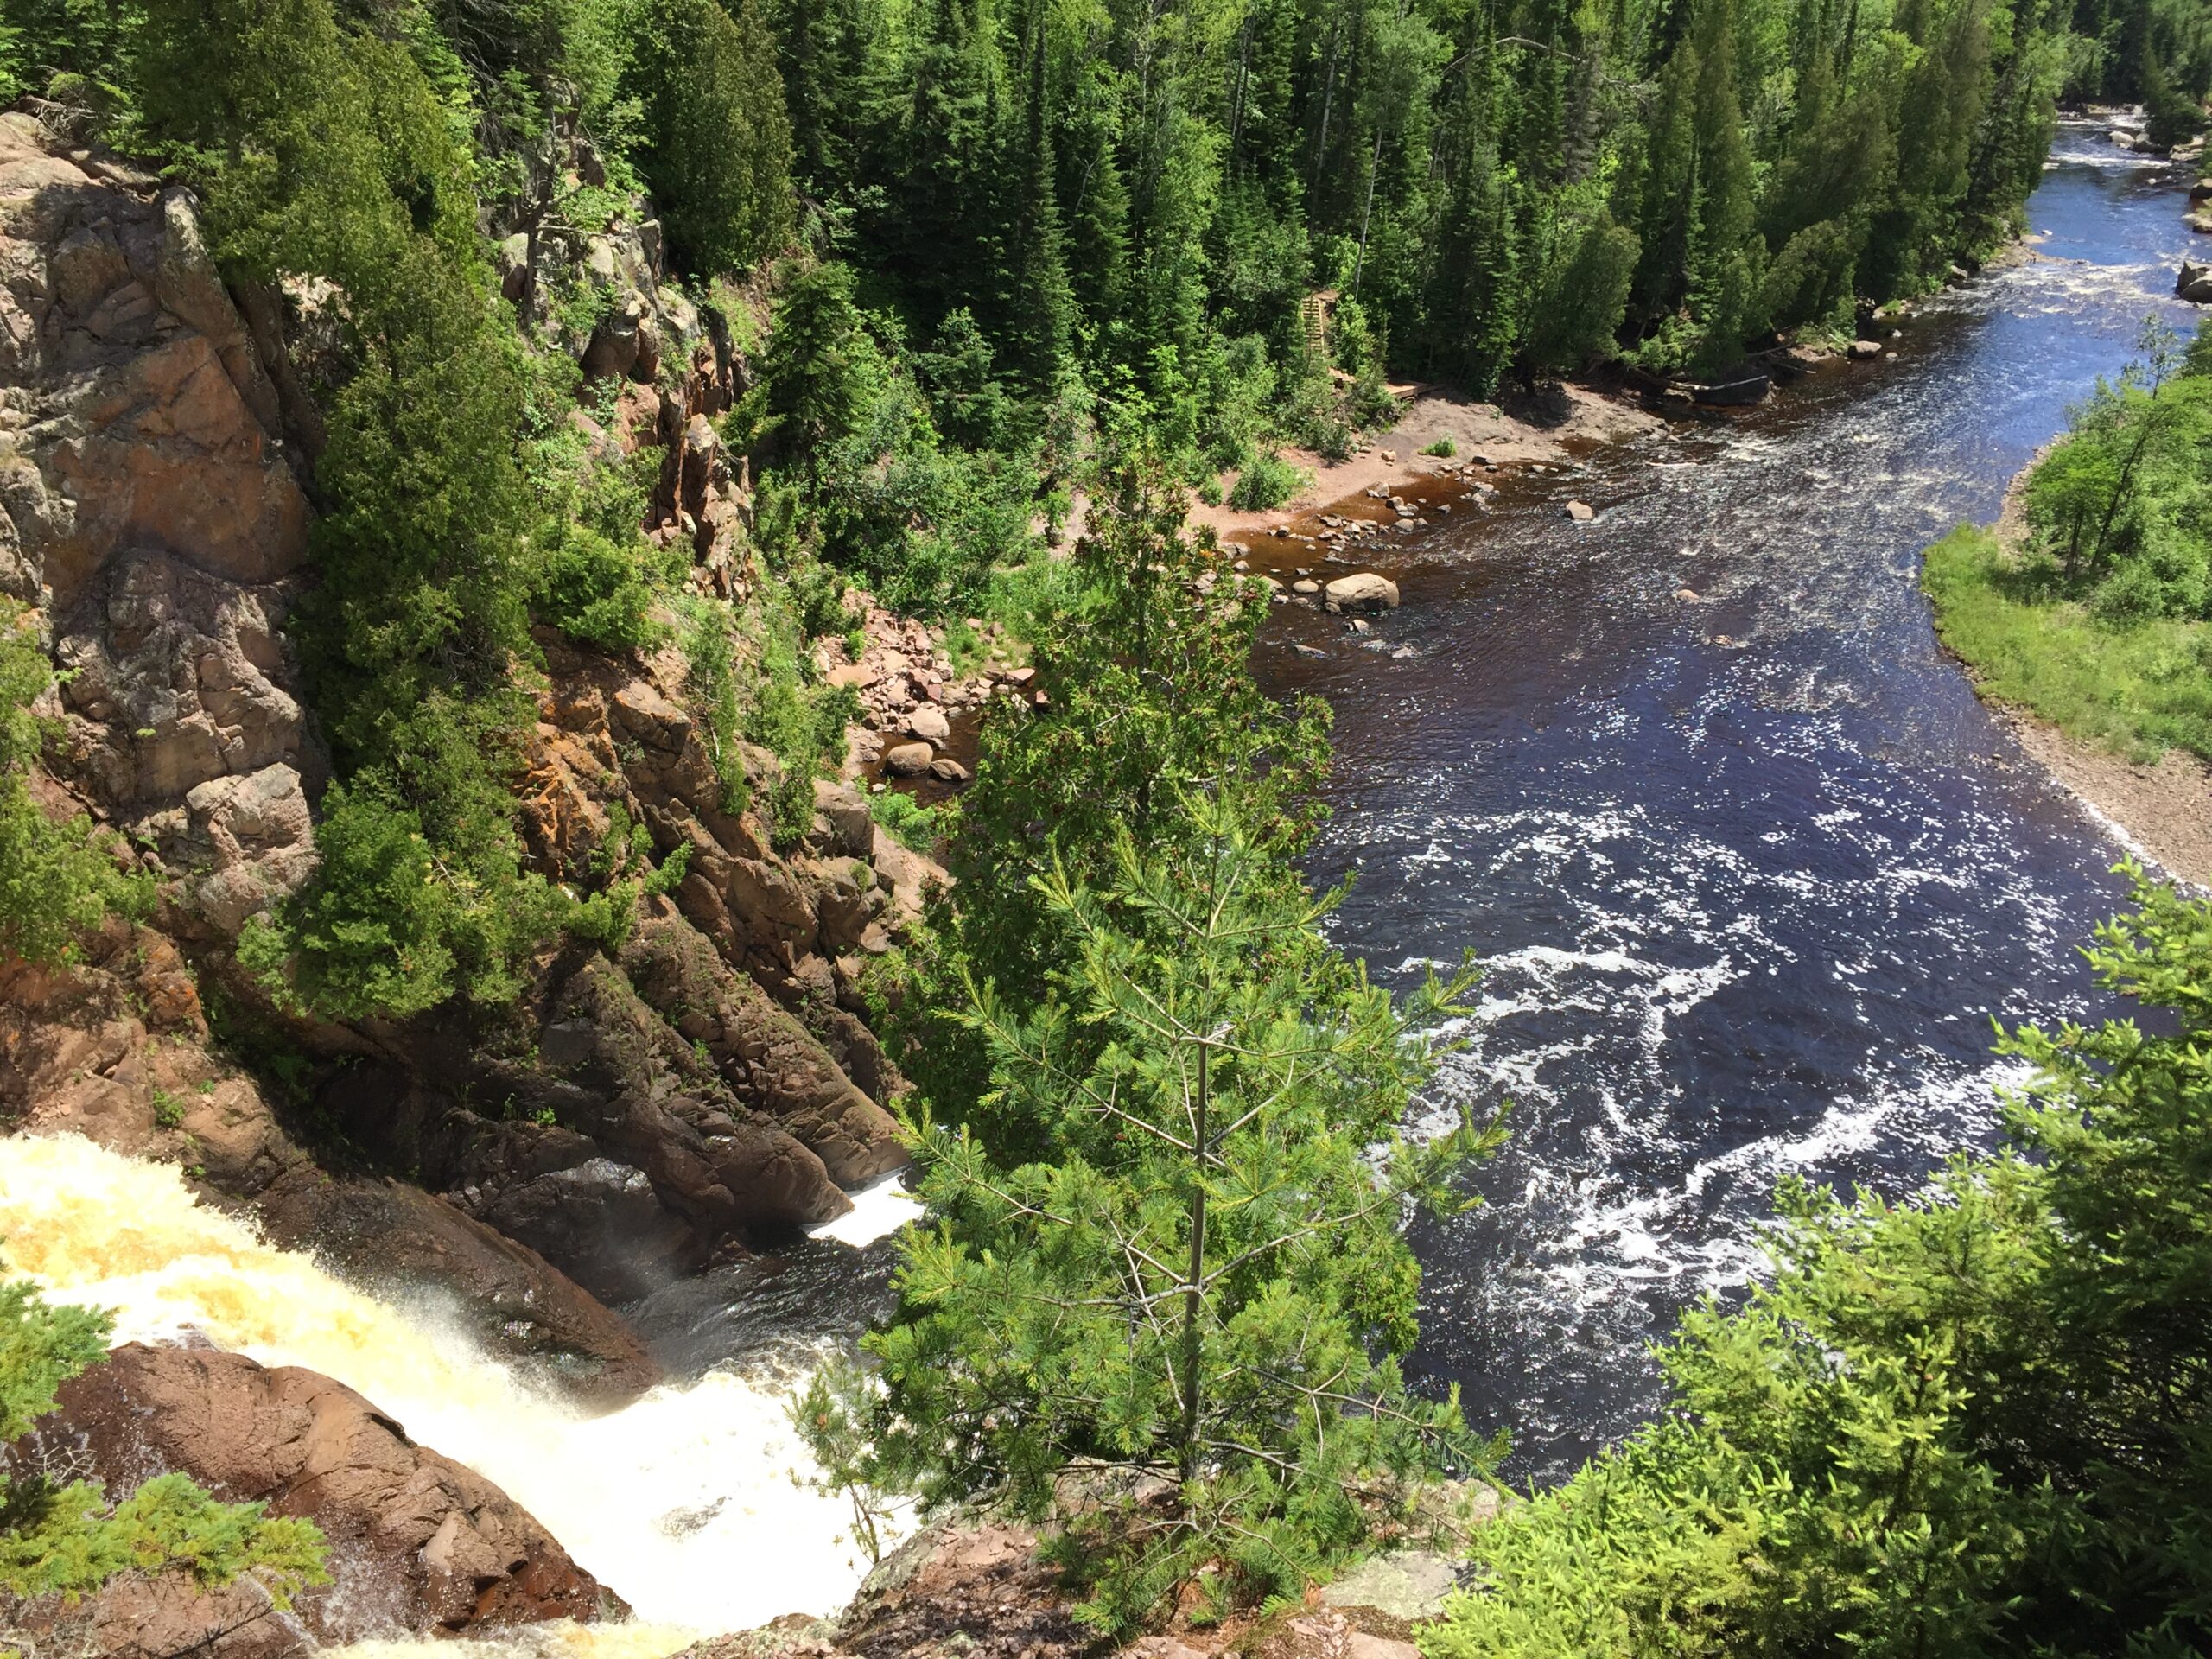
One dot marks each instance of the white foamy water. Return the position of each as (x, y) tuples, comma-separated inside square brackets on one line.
[(692, 1502), (877, 1212)]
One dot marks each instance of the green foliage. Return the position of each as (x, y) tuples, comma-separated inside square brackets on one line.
[(2137, 687), (68, 1540), (2123, 505), (327, 152), (1443, 447), (595, 588), (1205, 1279), (1973, 1422), (57, 879), (799, 721), (717, 150), (2102, 623), (1266, 481), (1151, 697), (386, 928), (710, 679), (913, 825)]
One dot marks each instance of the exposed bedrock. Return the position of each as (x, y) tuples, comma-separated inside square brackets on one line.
[(417, 1542)]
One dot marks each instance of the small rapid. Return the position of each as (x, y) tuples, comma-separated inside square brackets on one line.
[(1750, 868), (693, 1502)]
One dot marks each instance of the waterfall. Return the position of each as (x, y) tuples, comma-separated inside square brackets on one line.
[(692, 1502)]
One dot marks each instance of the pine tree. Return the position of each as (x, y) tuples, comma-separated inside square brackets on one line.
[(1205, 1281), (1040, 308)]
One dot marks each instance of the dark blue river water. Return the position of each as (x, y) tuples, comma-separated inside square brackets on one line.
[(1750, 875)]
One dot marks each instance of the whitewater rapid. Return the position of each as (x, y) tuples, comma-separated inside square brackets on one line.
[(693, 1502)]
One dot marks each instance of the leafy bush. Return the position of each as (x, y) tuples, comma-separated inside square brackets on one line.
[(1973, 1422), (57, 880), (2122, 506), (910, 822), (1443, 447), (594, 589), (1266, 482)]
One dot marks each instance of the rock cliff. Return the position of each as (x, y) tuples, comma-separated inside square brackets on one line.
[(706, 1090)]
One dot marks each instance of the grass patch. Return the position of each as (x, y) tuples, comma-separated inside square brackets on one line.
[(1444, 448), (2139, 689), (913, 825)]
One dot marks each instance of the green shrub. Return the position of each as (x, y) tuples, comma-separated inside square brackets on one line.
[(595, 589), (1443, 447), (711, 678), (57, 880), (384, 930), (1266, 482), (911, 823), (1972, 1422)]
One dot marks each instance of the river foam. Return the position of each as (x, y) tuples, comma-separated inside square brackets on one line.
[(693, 1502)]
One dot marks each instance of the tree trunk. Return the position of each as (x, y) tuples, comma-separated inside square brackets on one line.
[(1194, 1290)]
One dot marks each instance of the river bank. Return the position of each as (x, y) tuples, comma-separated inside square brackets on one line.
[(1545, 428), (2161, 807)]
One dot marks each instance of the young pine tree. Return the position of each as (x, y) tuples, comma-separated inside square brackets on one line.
[(1202, 1286)]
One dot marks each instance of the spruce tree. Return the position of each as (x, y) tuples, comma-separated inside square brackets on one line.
[(1203, 1284)]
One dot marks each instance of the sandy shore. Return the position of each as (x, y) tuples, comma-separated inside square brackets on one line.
[(1515, 431), (2164, 811)]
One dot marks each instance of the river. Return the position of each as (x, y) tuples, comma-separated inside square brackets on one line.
[(1751, 873)]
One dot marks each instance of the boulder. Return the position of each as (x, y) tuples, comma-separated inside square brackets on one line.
[(1365, 590), (927, 722), (946, 770), (851, 825), (2195, 282), (1581, 511), (604, 1221), (393, 1239), (417, 1542), (1864, 350), (908, 760)]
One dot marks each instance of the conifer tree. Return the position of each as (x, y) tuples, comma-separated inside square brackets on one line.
[(1204, 1284), (718, 140)]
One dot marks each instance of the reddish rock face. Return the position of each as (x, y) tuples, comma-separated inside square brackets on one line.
[(417, 1543)]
